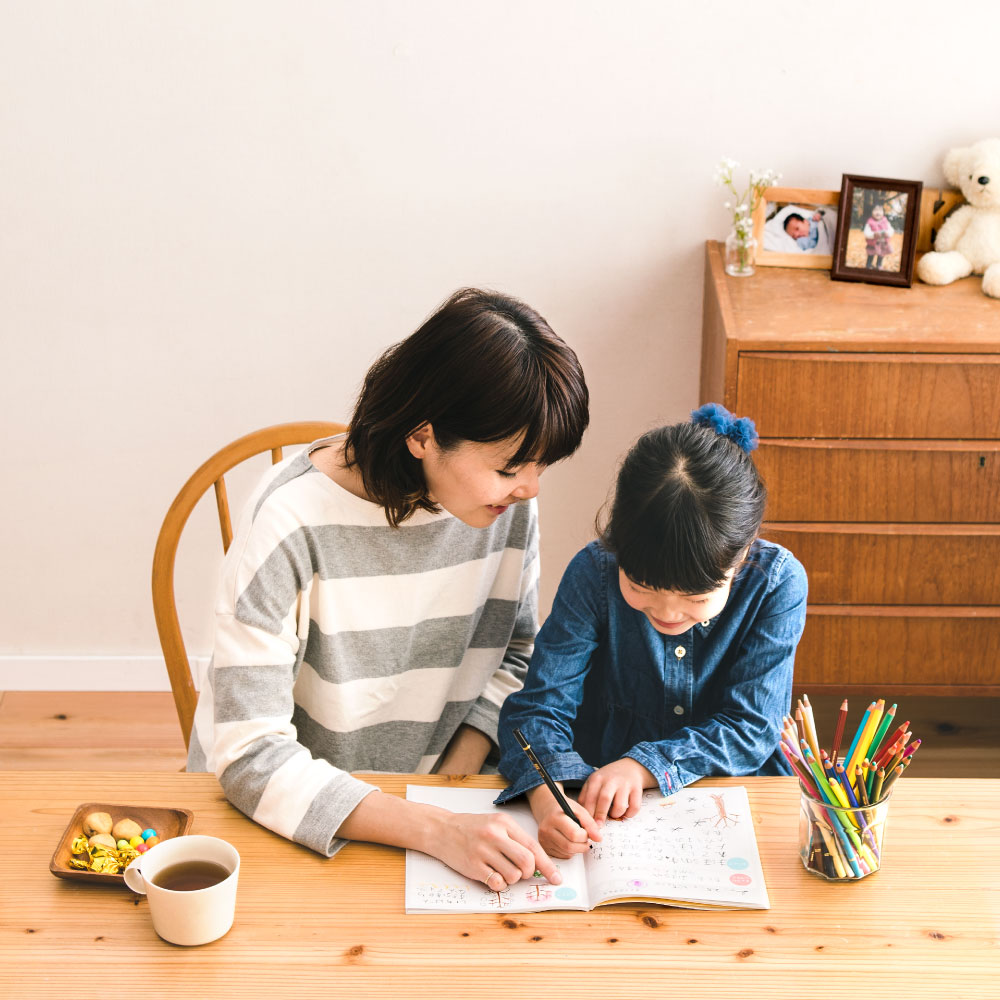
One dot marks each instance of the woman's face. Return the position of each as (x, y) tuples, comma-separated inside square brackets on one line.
[(474, 481), (670, 612)]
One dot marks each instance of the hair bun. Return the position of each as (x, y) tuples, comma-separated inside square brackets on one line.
[(740, 430)]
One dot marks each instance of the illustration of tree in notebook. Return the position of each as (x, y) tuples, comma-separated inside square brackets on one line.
[(538, 894), (501, 900), (725, 818)]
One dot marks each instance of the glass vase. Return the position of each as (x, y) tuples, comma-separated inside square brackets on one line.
[(740, 253)]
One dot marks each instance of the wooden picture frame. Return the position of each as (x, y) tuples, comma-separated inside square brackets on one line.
[(877, 230), (769, 227)]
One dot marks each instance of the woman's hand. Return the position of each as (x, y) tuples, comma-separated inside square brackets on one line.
[(478, 846), (615, 790), (557, 833)]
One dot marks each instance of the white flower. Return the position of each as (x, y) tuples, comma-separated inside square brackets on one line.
[(745, 203)]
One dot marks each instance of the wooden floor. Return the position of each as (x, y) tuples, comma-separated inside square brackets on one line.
[(120, 731)]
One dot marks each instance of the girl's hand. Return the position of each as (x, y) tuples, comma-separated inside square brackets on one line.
[(557, 833), (615, 790), (479, 845)]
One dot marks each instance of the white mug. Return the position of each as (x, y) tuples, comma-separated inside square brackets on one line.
[(194, 916)]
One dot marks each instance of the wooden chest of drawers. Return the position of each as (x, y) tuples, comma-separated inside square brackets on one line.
[(878, 410)]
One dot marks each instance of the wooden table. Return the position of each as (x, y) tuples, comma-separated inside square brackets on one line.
[(925, 926)]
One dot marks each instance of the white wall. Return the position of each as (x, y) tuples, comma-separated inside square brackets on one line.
[(214, 215)]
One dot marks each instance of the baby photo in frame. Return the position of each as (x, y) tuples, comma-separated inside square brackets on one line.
[(877, 232), (796, 227)]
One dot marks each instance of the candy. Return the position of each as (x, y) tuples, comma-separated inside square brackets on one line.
[(107, 853)]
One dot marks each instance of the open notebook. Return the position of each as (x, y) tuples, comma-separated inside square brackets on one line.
[(695, 848)]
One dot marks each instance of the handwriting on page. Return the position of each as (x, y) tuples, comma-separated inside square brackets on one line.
[(690, 844)]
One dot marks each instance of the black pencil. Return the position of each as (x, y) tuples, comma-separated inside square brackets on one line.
[(552, 786)]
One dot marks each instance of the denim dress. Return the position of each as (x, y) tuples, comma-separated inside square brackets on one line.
[(604, 684)]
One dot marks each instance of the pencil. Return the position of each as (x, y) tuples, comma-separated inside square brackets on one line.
[(880, 732), (800, 724), (888, 743), (839, 733), (862, 789), (890, 779), (810, 723), (861, 729), (861, 746), (550, 784), (879, 780)]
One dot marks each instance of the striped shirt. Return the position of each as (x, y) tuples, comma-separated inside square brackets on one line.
[(344, 644)]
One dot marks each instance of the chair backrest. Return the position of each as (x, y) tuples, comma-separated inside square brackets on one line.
[(210, 473)]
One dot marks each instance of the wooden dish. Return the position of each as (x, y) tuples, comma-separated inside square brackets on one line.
[(167, 823)]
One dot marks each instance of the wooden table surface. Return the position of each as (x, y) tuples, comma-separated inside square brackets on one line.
[(927, 925)]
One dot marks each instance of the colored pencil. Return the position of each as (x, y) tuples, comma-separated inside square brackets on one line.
[(838, 734), (879, 780), (810, 722), (860, 730), (880, 732), (898, 732), (891, 779), (862, 790), (861, 746)]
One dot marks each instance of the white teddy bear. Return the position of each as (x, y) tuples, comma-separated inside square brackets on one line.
[(969, 241)]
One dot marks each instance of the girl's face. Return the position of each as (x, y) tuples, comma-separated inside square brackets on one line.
[(474, 481), (877, 212), (671, 613)]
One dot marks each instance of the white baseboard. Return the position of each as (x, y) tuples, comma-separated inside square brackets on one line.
[(90, 673)]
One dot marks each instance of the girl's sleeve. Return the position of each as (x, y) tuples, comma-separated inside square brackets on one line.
[(261, 619), (509, 676), (545, 708), (742, 731), (869, 235)]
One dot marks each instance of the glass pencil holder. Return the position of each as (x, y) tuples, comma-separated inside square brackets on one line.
[(839, 843)]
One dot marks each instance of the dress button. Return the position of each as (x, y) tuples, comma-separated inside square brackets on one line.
[(679, 652), (706, 624), (678, 709)]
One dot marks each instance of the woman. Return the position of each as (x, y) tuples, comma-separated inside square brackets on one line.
[(379, 600)]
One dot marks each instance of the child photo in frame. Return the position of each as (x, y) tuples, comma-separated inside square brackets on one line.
[(796, 227), (877, 230)]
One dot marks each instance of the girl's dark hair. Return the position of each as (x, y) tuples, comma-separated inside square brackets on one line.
[(688, 501), (484, 367)]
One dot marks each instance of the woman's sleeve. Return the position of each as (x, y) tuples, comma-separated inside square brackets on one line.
[(261, 619), (742, 731), (546, 707)]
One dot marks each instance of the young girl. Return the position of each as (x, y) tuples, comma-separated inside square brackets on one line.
[(878, 237), (379, 599), (668, 652)]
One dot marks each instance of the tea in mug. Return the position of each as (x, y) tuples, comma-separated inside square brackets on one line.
[(187, 876)]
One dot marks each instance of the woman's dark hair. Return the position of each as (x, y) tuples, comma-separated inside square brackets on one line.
[(687, 503), (484, 367)]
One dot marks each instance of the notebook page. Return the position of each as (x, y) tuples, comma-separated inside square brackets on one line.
[(696, 847), (433, 887)]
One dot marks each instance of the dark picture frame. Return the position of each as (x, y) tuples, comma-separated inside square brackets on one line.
[(877, 230)]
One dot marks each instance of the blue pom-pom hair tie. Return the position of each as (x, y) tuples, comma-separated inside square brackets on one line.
[(740, 430)]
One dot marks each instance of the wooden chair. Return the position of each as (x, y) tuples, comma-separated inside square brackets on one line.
[(210, 473)]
